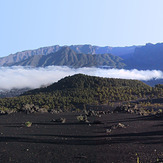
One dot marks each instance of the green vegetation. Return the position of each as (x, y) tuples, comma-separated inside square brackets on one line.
[(138, 159), (82, 118), (75, 92), (159, 86), (28, 124)]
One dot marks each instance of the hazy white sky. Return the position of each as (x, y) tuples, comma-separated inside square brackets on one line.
[(30, 24)]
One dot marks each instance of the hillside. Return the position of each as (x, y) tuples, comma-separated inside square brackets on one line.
[(86, 49), (154, 82), (145, 57), (149, 57), (82, 82), (12, 92), (79, 90), (68, 57)]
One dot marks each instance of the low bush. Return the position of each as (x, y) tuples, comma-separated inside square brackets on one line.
[(28, 124)]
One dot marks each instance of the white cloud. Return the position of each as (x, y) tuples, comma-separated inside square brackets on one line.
[(21, 77)]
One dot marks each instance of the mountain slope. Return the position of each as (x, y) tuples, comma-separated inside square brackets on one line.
[(149, 56), (86, 49), (79, 90), (140, 57), (81, 81), (20, 56), (68, 57)]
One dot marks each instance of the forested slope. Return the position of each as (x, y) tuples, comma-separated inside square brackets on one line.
[(80, 90)]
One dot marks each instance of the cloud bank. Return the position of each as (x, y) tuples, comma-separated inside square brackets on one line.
[(22, 77)]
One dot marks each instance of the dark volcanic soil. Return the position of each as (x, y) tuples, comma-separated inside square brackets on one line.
[(71, 142)]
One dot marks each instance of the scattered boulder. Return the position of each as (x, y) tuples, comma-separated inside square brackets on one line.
[(94, 113), (97, 122), (60, 120), (108, 131), (29, 108), (126, 109), (7, 111), (54, 111), (120, 109), (2, 112), (119, 125), (42, 110), (82, 118)]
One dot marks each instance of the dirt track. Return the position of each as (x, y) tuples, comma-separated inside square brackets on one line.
[(73, 142)]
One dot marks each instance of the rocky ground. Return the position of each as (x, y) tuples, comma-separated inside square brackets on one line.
[(108, 137)]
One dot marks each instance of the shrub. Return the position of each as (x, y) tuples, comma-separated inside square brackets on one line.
[(28, 124), (82, 118)]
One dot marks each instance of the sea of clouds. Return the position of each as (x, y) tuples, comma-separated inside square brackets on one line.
[(23, 77)]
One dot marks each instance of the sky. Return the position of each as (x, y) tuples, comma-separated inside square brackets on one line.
[(30, 24)]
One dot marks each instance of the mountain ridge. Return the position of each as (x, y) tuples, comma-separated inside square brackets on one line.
[(87, 49), (149, 56), (68, 57), (146, 57)]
